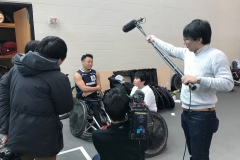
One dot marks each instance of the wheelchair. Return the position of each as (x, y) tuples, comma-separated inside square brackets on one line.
[(159, 137), (82, 124), (236, 76), (176, 82), (81, 120)]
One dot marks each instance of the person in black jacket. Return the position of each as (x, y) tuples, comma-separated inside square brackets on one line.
[(31, 46), (114, 142), (32, 95)]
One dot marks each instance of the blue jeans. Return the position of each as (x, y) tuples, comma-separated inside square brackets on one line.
[(198, 127), (96, 157)]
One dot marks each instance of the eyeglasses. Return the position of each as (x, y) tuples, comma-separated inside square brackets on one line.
[(185, 39)]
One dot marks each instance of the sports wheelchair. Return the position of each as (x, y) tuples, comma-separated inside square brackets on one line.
[(82, 124), (81, 119), (236, 76)]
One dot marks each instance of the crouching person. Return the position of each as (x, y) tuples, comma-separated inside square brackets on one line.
[(114, 142)]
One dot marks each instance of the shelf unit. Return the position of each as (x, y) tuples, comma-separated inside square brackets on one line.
[(21, 29), (7, 25), (7, 56)]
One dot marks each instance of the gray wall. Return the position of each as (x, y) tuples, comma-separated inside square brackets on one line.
[(95, 26)]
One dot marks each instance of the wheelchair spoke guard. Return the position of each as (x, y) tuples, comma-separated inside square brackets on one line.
[(78, 118), (159, 136)]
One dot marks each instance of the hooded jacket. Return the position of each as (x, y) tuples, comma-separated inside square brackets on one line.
[(32, 95)]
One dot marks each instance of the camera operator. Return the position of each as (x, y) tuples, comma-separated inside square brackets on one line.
[(114, 142)]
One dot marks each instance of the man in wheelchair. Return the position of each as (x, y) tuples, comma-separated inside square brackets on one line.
[(114, 142), (87, 83)]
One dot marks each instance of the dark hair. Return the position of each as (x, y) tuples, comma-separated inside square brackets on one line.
[(31, 46), (86, 55), (143, 76), (52, 47), (116, 103), (198, 29)]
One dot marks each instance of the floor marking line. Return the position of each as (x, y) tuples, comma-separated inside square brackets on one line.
[(70, 150), (84, 152)]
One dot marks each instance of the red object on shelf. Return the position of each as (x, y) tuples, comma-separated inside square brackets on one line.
[(9, 48)]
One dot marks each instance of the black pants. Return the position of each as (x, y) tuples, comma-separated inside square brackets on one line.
[(94, 106)]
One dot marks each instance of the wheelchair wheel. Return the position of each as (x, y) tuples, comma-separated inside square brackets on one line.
[(176, 82), (159, 136), (64, 116), (87, 133), (78, 118), (80, 125), (91, 124)]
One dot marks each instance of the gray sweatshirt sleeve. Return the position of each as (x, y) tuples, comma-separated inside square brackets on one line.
[(176, 52), (223, 80)]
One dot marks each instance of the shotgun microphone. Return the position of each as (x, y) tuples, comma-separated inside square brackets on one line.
[(130, 26)]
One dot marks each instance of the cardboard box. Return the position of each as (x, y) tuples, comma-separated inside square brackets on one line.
[(164, 77), (104, 79)]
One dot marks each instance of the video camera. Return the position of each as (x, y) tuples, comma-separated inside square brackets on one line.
[(138, 117), (5, 154)]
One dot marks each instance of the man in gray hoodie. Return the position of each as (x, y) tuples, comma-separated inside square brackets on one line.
[(32, 95)]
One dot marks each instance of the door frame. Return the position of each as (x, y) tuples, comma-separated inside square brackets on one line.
[(30, 13)]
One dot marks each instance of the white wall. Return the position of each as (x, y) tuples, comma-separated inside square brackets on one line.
[(95, 26)]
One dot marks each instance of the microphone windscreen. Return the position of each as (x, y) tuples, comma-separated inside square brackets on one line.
[(130, 26)]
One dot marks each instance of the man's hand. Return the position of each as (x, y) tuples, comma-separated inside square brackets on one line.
[(151, 38), (4, 140), (85, 94), (98, 87), (189, 79)]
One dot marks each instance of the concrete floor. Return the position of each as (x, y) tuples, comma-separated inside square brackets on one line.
[(225, 143)]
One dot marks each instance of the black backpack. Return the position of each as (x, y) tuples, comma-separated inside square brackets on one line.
[(159, 98), (170, 99), (126, 86), (163, 97)]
